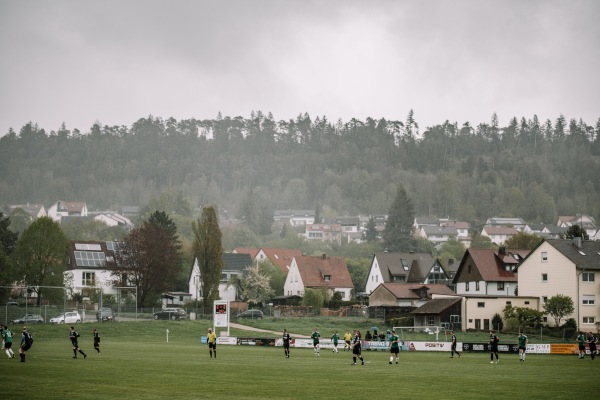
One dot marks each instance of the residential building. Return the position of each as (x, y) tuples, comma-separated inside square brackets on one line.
[(439, 311), (331, 233), (498, 235), (318, 272), (406, 268), (438, 235), (295, 217), (67, 208), (489, 272), (517, 223), (281, 258), (87, 271), (113, 219), (234, 264), (584, 221), (567, 267), (405, 294), (35, 210), (479, 310)]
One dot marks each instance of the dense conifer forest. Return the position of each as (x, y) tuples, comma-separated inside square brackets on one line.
[(532, 169)]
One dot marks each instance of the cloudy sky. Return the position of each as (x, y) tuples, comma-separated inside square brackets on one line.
[(115, 61)]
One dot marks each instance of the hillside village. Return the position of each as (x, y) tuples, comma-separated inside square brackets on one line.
[(463, 294)]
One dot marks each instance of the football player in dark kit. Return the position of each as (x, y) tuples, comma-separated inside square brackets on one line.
[(493, 347), (96, 340), (453, 348), (286, 343), (73, 335), (356, 349)]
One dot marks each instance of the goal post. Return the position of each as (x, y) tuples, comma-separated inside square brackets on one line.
[(417, 333)]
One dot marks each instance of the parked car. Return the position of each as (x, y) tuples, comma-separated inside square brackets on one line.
[(105, 314), (252, 314), (25, 319), (170, 313), (11, 302), (68, 317)]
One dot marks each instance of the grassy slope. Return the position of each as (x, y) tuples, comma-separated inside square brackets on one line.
[(137, 363)]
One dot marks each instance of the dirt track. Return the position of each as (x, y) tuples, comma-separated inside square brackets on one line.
[(249, 328)]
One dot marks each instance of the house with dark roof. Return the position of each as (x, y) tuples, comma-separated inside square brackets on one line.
[(488, 272), (439, 311), (318, 272), (567, 267), (406, 294), (35, 210), (400, 267), (87, 271), (234, 264)]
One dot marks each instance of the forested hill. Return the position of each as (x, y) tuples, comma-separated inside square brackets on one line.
[(532, 169)]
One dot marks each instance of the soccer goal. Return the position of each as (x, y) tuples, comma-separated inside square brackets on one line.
[(417, 333)]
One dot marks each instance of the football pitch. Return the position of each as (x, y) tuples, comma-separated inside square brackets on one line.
[(136, 362)]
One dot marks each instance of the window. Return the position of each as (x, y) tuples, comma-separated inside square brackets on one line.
[(466, 286), (88, 279), (544, 256), (327, 277), (545, 319), (431, 320), (588, 277), (589, 320), (588, 300), (477, 285), (545, 299), (544, 277), (509, 302), (481, 304), (500, 286), (223, 277), (527, 302)]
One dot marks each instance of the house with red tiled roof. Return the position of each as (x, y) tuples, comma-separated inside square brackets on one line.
[(281, 258), (318, 272), (406, 294), (498, 235), (488, 272)]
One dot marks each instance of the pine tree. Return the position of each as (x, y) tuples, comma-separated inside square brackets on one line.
[(398, 233)]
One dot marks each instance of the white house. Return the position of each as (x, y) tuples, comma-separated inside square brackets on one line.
[(67, 209), (404, 268), (113, 219), (498, 235), (87, 270), (488, 272), (318, 272), (233, 264)]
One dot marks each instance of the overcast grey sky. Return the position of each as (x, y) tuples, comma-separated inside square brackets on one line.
[(77, 61)]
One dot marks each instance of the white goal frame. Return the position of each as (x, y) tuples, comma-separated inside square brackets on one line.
[(431, 329)]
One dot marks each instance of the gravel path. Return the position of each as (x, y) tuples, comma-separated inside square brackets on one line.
[(249, 328)]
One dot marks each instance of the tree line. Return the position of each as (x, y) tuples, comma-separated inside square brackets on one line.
[(250, 167)]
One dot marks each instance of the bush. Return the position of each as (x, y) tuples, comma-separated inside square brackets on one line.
[(511, 325), (401, 321), (497, 322), (570, 324)]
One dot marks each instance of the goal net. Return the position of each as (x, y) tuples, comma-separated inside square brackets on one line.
[(417, 333)]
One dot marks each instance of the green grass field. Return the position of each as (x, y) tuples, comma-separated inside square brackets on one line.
[(136, 362)]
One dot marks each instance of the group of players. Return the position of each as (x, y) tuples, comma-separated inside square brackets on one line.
[(351, 342), (27, 342), (7, 341)]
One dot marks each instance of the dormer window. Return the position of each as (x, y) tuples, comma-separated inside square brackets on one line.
[(327, 277)]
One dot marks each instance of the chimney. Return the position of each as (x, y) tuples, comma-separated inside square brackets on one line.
[(450, 261), (577, 242), (324, 256)]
